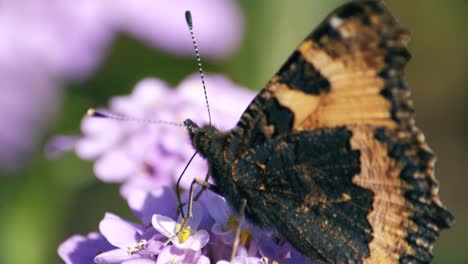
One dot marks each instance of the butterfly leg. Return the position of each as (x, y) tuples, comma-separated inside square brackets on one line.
[(235, 245), (205, 185), (197, 196)]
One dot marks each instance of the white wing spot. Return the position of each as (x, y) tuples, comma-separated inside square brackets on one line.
[(335, 21)]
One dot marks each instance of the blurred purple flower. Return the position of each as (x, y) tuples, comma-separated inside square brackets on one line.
[(145, 156), (48, 43), (63, 38), (218, 24)]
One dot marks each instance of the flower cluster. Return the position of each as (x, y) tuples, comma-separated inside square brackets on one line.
[(163, 237), (143, 156), (48, 43), (147, 159)]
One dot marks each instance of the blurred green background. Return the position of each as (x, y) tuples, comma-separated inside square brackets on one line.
[(50, 200)]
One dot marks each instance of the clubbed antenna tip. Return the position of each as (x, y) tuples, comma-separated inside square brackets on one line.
[(188, 18), (92, 112)]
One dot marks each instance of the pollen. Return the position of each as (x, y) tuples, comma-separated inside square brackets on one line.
[(183, 232), (245, 236), (137, 248)]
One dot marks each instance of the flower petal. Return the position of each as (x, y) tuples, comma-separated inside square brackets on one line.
[(196, 242), (218, 209), (139, 261), (164, 225), (114, 166), (80, 249), (203, 260), (197, 215), (212, 19), (119, 232), (115, 256), (145, 204), (170, 255)]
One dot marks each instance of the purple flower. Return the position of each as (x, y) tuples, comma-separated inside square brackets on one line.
[(132, 241), (183, 236), (167, 241), (44, 43), (145, 204), (174, 254), (79, 249), (24, 109), (63, 38), (145, 156), (218, 24), (224, 228)]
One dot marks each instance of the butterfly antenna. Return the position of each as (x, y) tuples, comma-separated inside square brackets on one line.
[(101, 114), (188, 18)]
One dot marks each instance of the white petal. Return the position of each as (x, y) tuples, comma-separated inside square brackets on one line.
[(139, 261), (164, 225), (113, 256), (196, 242), (119, 232)]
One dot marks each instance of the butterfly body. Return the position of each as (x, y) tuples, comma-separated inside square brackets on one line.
[(328, 153)]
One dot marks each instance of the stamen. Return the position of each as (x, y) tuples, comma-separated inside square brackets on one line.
[(245, 237), (184, 234), (138, 247)]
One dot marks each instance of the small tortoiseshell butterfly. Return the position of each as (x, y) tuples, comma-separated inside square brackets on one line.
[(328, 152)]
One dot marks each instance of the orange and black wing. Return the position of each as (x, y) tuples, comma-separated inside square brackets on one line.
[(370, 191)]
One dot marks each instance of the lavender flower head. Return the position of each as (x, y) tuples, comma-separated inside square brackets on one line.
[(144, 156), (46, 44)]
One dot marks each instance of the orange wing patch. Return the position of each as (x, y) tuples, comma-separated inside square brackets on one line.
[(392, 211), (352, 65), (355, 88)]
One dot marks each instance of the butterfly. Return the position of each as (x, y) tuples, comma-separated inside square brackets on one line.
[(328, 152)]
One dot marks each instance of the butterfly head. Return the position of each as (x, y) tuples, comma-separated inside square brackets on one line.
[(207, 140)]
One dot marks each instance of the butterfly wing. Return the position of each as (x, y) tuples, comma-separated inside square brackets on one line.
[(302, 184), (348, 71), (348, 74)]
